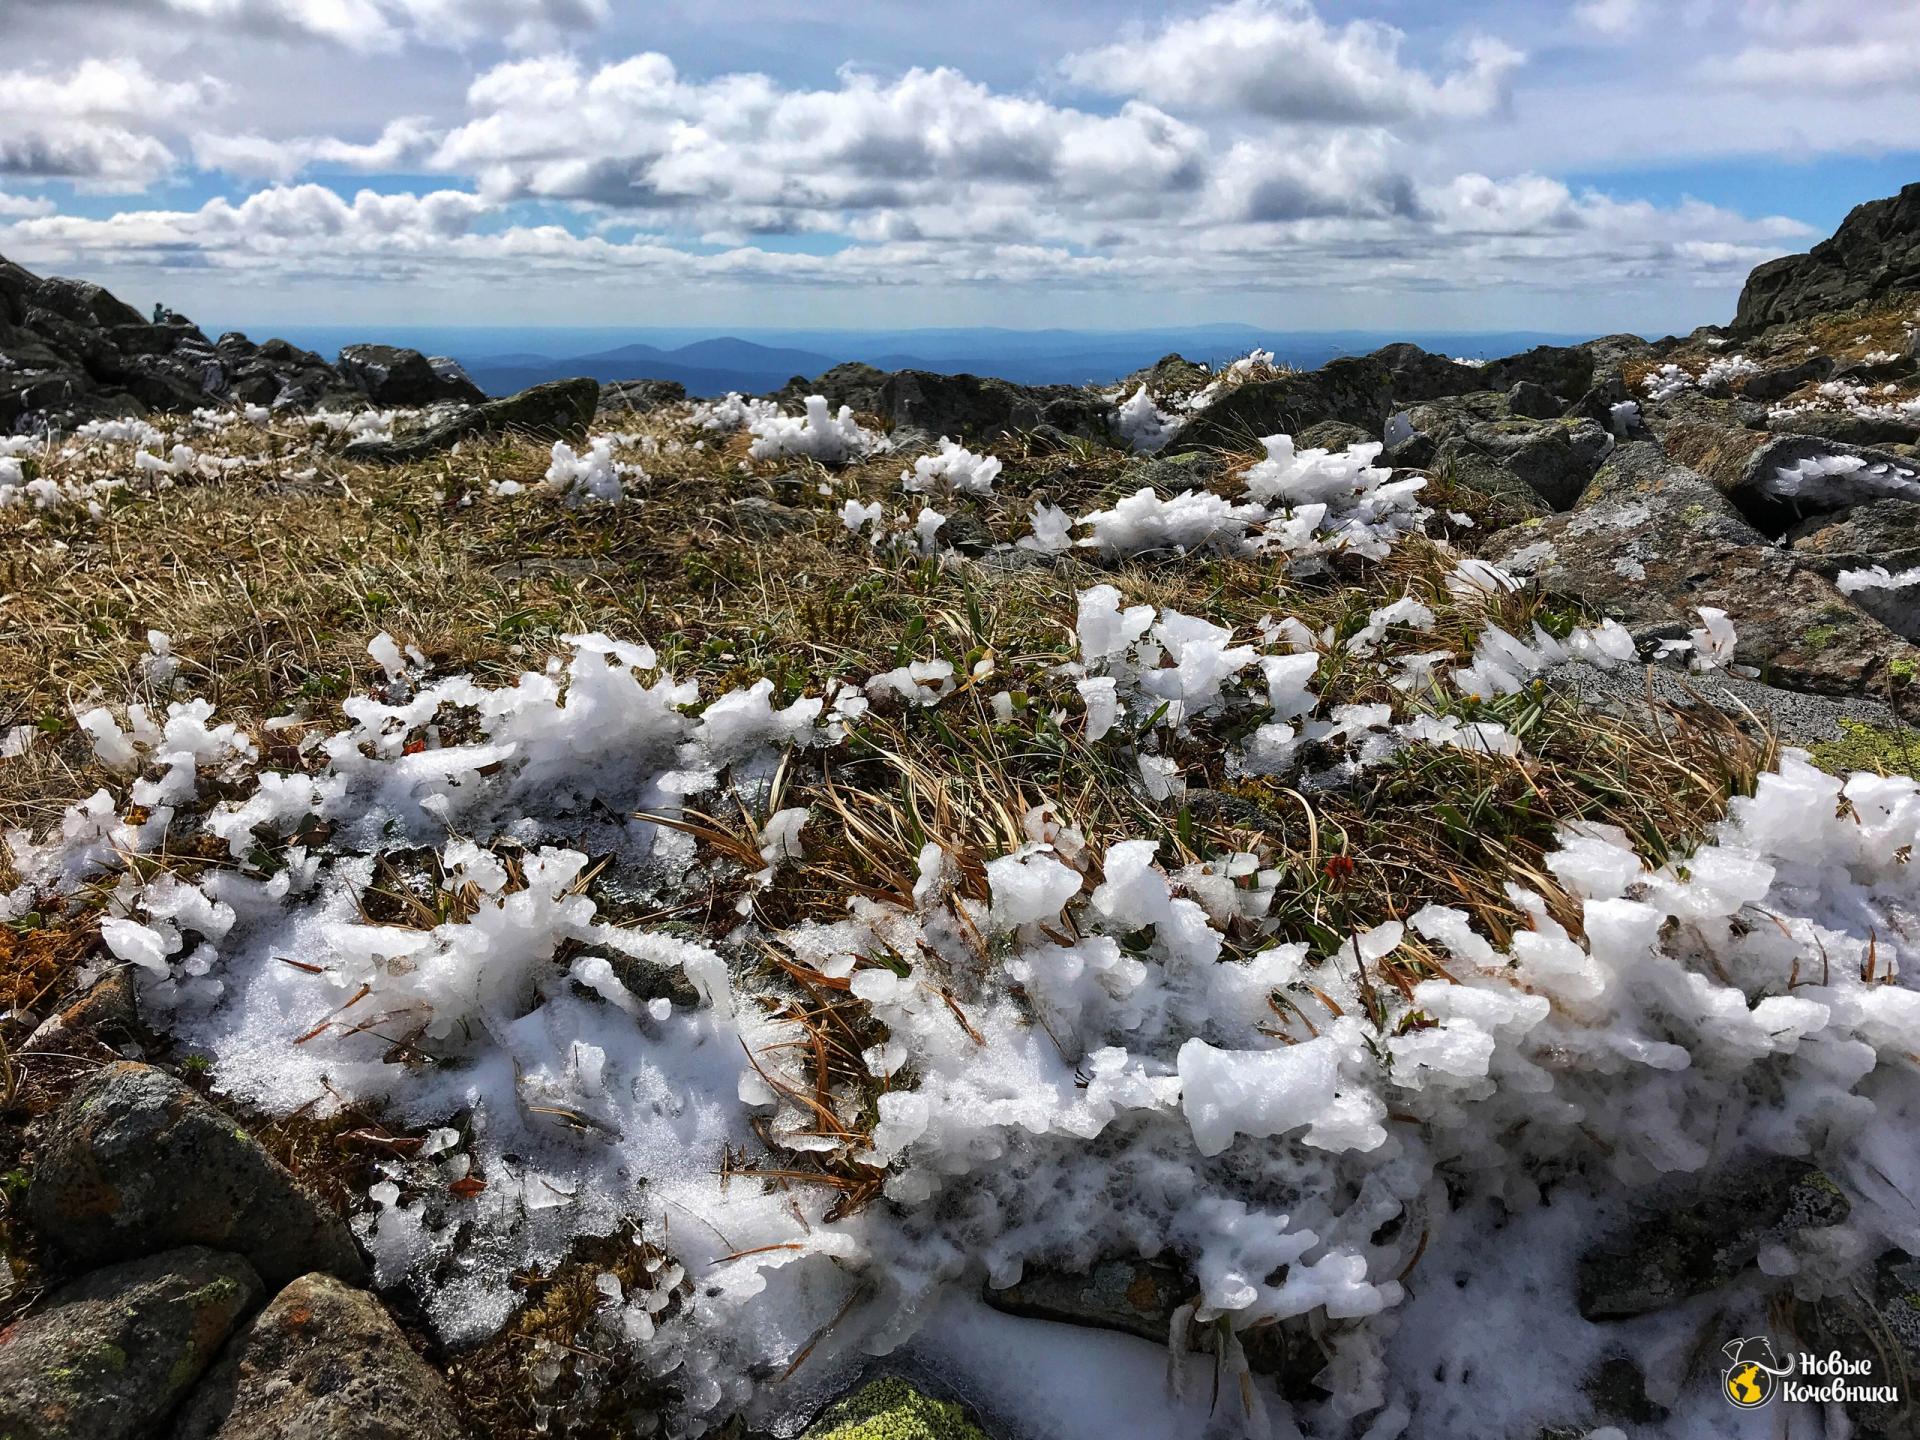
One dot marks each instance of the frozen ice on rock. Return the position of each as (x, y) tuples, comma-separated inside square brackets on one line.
[(1142, 424)]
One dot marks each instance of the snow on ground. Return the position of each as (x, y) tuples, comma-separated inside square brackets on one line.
[(1075, 1065)]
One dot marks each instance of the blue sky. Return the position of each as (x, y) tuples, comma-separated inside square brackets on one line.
[(1594, 165)]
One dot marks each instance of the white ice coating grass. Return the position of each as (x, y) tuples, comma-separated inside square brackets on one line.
[(1666, 382), (732, 412), (1170, 1079), (1302, 503), (1723, 370), (832, 439), (593, 477), (1295, 1157), (951, 469), (1881, 402)]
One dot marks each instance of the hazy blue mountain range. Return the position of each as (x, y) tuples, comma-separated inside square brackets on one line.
[(503, 359)]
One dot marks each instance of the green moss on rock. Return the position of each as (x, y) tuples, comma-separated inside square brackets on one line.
[(1868, 747), (891, 1409)]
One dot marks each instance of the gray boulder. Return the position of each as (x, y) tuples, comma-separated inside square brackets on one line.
[(1533, 401), (1357, 391), (321, 1362), (852, 384), (1415, 374), (1332, 435), (1652, 540), (625, 398), (1562, 370), (137, 1162), (1874, 253), (1785, 379), (1555, 458), (1479, 485), (394, 375), (1847, 427), (973, 407), (557, 410), (74, 351), (111, 1355)]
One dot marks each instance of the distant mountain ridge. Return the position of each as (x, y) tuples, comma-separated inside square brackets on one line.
[(713, 365)]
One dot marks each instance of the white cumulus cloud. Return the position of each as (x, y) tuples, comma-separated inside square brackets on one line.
[(1279, 58)]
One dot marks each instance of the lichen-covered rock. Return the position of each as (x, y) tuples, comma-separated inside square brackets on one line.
[(1776, 480), (1701, 1238), (1555, 458), (109, 1356), (1415, 374), (853, 383), (1358, 391), (1332, 435), (1874, 253), (1880, 532), (321, 1362), (628, 398), (108, 1009), (1562, 370), (1534, 401), (1137, 1297), (557, 410), (1651, 541), (137, 1162), (891, 1409), (1484, 489), (1845, 426), (1784, 379)]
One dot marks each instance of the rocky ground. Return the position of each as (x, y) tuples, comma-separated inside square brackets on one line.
[(229, 1211)]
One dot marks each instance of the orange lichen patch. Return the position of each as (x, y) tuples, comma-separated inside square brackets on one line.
[(36, 955)]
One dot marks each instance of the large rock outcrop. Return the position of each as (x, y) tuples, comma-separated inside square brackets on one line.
[(1651, 541), (70, 349), (1874, 253)]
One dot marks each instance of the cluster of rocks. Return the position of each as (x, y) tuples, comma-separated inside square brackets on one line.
[(214, 1296), (69, 349)]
